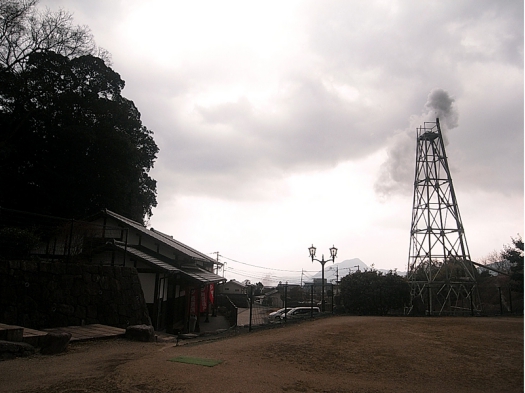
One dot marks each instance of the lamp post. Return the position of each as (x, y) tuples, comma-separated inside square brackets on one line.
[(333, 253)]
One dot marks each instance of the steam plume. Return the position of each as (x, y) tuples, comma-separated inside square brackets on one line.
[(397, 172)]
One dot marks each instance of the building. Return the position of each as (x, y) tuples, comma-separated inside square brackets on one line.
[(178, 281), (233, 287)]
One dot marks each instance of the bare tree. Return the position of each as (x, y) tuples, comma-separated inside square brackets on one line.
[(496, 261), (24, 30)]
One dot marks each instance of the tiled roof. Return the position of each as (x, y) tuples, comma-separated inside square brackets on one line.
[(165, 239), (149, 259), (201, 274), (192, 272)]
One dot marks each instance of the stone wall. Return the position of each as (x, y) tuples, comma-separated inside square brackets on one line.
[(39, 295)]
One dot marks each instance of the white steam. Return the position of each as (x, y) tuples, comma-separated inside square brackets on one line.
[(397, 172)]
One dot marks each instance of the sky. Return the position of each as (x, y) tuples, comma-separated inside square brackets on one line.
[(283, 124)]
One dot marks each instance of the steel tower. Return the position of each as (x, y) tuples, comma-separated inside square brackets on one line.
[(441, 275)]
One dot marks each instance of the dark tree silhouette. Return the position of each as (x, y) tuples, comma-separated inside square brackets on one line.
[(514, 255), (70, 143), (374, 293)]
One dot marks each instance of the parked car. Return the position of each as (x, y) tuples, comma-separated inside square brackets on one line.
[(276, 315), (301, 312)]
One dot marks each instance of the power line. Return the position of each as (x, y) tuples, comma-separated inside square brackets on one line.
[(264, 267)]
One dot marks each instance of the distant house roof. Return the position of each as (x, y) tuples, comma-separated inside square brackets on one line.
[(233, 281)]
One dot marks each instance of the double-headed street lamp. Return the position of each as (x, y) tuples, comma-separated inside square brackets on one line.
[(333, 253)]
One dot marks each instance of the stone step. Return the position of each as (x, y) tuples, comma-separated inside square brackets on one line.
[(11, 333), (15, 333)]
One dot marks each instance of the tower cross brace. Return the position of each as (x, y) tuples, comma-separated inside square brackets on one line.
[(440, 272)]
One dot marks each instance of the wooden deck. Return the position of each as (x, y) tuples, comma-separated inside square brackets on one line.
[(78, 333), (89, 332), (33, 337)]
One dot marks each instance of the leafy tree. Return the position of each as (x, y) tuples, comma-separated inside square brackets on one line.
[(295, 294), (70, 143), (25, 30), (373, 293), (258, 289), (450, 269), (514, 255)]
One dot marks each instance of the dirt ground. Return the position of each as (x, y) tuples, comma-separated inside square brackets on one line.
[(335, 354)]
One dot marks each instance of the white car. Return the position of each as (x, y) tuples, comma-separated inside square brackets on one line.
[(300, 312), (277, 314)]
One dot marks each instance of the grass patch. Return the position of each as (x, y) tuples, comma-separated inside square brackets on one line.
[(198, 361)]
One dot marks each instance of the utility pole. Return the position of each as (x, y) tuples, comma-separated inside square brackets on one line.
[(217, 269)]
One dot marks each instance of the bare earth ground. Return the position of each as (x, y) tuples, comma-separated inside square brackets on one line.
[(336, 354)]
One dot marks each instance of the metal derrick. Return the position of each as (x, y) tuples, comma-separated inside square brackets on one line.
[(440, 272)]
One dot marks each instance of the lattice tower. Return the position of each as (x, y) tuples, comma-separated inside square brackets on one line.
[(440, 272)]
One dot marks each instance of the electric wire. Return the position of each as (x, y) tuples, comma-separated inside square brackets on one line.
[(262, 267)]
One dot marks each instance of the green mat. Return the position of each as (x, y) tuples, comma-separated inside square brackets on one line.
[(199, 361)]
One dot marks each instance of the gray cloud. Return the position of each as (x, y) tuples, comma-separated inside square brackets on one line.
[(357, 72)]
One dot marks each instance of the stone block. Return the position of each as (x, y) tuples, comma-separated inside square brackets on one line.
[(4, 267), (81, 312), (107, 271), (59, 268), (114, 285), (144, 333), (92, 312), (11, 350), (55, 343), (29, 266), (14, 264), (11, 333), (66, 309), (67, 285), (74, 321), (93, 269), (87, 277), (52, 285), (104, 282), (44, 267), (74, 269)]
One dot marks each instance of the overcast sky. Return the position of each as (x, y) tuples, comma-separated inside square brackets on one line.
[(286, 123)]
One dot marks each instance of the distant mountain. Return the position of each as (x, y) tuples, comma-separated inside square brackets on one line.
[(340, 269)]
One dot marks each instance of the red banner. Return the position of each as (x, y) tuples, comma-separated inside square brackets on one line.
[(193, 301), (211, 292), (204, 299)]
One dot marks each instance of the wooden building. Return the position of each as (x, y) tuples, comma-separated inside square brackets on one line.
[(178, 282)]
